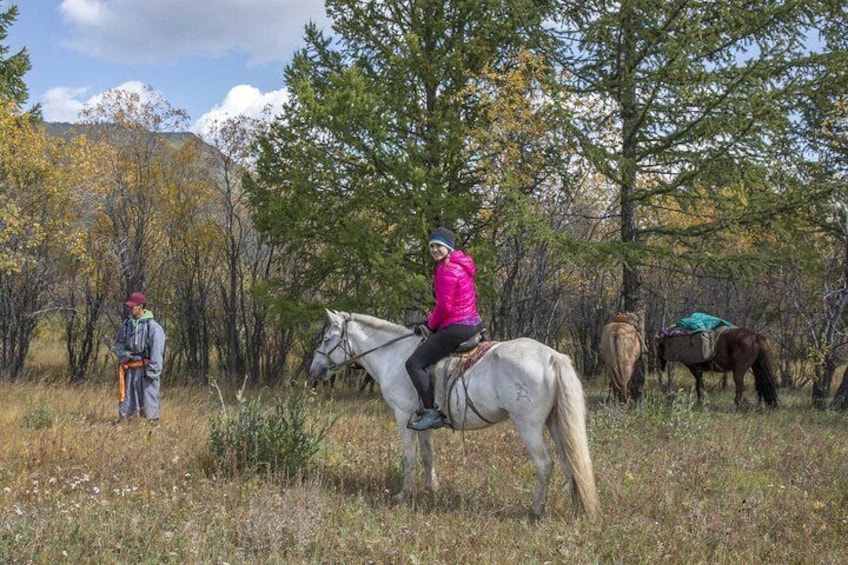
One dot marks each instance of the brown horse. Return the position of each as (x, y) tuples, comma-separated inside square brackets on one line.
[(736, 350), (621, 351)]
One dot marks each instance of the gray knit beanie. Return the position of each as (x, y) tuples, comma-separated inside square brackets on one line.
[(443, 236)]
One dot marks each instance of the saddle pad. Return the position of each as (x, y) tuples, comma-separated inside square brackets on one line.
[(471, 357)]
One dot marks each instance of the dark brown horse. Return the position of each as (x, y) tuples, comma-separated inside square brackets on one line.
[(736, 350)]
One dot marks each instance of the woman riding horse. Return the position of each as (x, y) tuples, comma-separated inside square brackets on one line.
[(453, 320)]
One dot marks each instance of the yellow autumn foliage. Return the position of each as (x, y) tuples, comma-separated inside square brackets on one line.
[(42, 184)]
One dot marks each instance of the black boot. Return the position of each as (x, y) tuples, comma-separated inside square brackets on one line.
[(428, 418)]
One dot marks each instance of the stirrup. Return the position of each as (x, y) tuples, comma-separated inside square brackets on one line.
[(429, 418)]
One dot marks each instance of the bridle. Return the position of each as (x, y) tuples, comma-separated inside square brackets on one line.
[(350, 358)]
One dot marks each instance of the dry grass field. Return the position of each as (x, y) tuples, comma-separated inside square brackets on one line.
[(678, 484)]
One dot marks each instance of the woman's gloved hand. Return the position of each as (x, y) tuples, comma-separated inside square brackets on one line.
[(423, 330)]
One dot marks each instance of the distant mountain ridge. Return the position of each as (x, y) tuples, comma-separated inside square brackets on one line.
[(65, 129), (174, 140)]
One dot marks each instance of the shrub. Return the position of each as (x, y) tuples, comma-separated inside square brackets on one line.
[(676, 413), (276, 440), (38, 418)]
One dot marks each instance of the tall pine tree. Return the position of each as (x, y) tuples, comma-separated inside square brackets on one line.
[(13, 67), (697, 94), (369, 154)]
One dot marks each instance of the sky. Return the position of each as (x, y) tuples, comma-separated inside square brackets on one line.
[(211, 58)]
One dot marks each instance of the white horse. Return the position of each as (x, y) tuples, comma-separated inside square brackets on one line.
[(522, 379)]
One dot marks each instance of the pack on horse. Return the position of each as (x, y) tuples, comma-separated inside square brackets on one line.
[(621, 352), (736, 350), (527, 381)]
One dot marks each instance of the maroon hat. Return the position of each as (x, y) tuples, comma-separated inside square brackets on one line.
[(135, 299)]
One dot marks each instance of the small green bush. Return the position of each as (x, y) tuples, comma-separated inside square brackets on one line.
[(277, 440), (676, 413), (38, 418)]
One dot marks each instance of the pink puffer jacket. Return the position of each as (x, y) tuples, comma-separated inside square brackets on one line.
[(453, 285)]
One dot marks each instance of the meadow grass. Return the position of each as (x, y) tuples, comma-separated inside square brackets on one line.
[(678, 483)]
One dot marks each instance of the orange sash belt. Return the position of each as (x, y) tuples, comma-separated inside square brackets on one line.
[(122, 371)]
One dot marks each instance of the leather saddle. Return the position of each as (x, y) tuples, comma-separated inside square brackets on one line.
[(470, 343)]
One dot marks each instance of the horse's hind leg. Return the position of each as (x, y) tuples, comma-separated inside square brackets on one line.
[(623, 392), (739, 381), (563, 459), (534, 441)]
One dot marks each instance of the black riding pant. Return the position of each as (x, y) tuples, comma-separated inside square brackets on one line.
[(438, 346)]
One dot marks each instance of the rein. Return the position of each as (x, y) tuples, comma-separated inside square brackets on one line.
[(344, 344)]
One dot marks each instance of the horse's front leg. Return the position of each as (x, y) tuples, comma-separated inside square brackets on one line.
[(698, 373), (407, 438), (425, 441)]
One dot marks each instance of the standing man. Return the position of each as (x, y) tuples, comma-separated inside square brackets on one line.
[(140, 347)]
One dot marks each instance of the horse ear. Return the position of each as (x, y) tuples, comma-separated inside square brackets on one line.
[(336, 318)]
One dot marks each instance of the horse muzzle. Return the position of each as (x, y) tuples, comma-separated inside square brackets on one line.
[(320, 369), (317, 371)]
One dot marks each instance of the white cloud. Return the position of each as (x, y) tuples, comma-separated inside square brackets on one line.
[(157, 31), (242, 100), (62, 104), (87, 12)]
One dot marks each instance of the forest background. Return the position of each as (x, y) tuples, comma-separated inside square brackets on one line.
[(662, 157)]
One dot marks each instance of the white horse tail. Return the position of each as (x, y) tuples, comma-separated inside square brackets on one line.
[(571, 423)]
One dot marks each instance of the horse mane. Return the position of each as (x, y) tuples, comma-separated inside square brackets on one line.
[(375, 322)]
